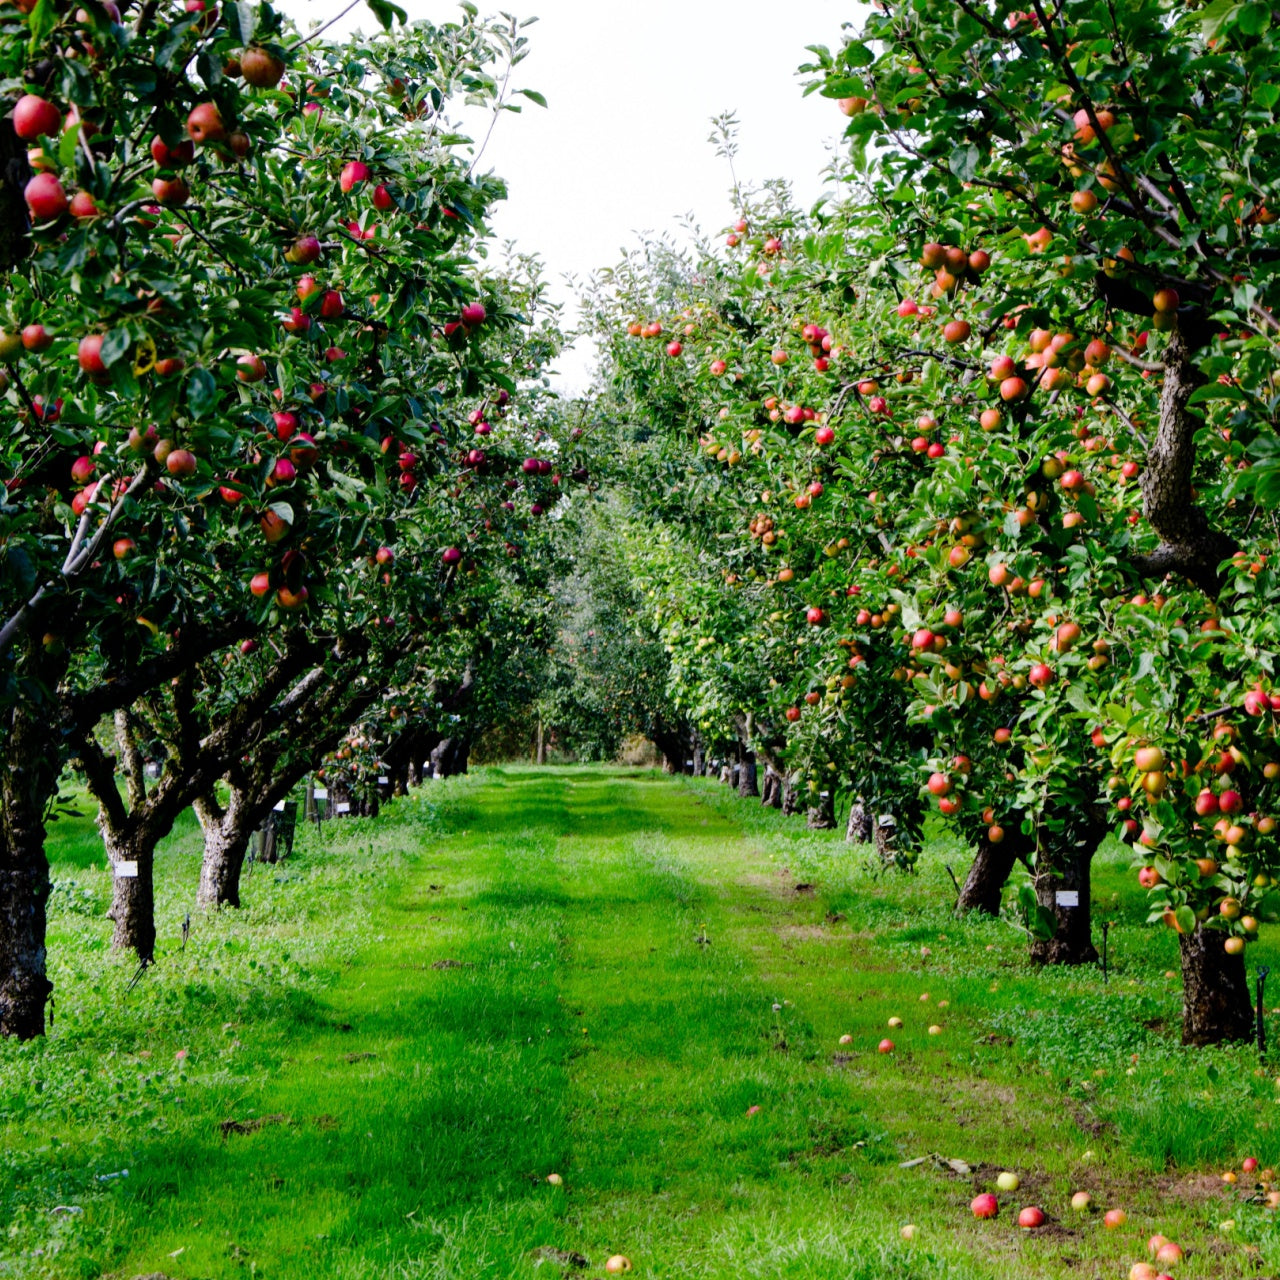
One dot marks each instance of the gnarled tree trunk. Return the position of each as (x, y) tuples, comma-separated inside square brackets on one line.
[(133, 897), (990, 871), (227, 833), (790, 798), (747, 786), (1063, 886), (28, 780), (858, 829), (822, 813), (1215, 991)]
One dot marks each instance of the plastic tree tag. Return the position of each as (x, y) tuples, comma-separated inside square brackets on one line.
[(1067, 897)]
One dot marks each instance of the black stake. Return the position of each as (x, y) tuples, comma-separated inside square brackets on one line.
[(186, 930), (1106, 924), (954, 881), (1262, 1030)]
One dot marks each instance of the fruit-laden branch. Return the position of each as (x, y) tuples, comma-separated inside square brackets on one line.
[(78, 558), (1188, 544)]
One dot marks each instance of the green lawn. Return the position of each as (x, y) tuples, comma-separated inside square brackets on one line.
[(599, 973)]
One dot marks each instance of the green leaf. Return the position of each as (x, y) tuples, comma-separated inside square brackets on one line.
[(43, 19), (1186, 919), (1216, 16), (1254, 19), (964, 161), (202, 392), (242, 19), (533, 96), (857, 55), (284, 511), (386, 12), (1217, 391), (116, 345)]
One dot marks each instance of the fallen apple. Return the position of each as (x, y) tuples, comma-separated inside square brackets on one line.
[(895, 1023), (1030, 1217), (1008, 1181), (985, 1205), (910, 1231), (1081, 1201), (1114, 1218), (617, 1263), (555, 1179), (886, 1046)]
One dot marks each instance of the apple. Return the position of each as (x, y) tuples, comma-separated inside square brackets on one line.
[(171, 191), (353, 174), (123, 548), (1148, 759), (251, 368), (274, 527), (1148, 877), (304, 451), (909, 1232), (90, 355), (674, 348), (618, 1263), (1114, 1218), (1143, 1271), (175, 157), (846, 1039), (1169, 1253), (1031, 1217), (261, 68), (34, 116), (985, 1205), (291, 599), (1013, 389), (332, 305), (1249, 1164), (895, 1023), (452, 555), (1008, 1182), (45, 198), (824, 436), (815, 616), (1081, 1201), (260, 584), (473, 315), (304, 251), (885, 1046), (83, 207), (793, 714), (956, 331), (180, 463), (383, 200), (205, 124), (284, 472), (1165, 300), (1041, 675)]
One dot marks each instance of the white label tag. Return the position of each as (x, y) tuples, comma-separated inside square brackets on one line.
[(125, 870), (280, 806), (1067, 897), (382, 782), (322, 793), (343, 807)]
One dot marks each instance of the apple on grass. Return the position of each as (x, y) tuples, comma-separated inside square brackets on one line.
[(985, 1205), (1008, 1181), (1031, 1217), (617, 1264)]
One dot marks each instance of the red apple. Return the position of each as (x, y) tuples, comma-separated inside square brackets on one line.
[(205, 124), (261, 68), (34, 116), (353, 174), (985, 1205), (1031, 1217), (90, 355), (45, 198)]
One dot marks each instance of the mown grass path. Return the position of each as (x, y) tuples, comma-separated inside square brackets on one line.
[(600, 974)]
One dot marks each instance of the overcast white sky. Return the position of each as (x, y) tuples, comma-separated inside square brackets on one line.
[(631, 89)]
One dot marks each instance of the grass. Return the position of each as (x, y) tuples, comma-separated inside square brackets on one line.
[(371, 1069)]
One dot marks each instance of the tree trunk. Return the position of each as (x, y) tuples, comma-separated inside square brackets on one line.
[(699, 767), (24, 890), (771, 792), (991, 869), (1215, 991), (747, 784), (226, 841), (822, 814), (413, 774), (859, 829), (885, 832), (133, 899), (790, 798), (542, 746), (1062, 884)]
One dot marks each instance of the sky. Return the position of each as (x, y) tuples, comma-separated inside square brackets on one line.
[(631, 89)]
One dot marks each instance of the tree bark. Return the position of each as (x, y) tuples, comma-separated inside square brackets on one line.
[(1063, 869), (771, 793), (790, 798), (822, 814), (28, 780), (1189, 545), (227, 833), (858, 830), (747, 777), (133, 897), (992, 866), (1215, 991), (885, 834)]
